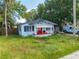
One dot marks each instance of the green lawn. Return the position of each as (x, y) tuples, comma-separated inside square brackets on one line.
[(16, 47)]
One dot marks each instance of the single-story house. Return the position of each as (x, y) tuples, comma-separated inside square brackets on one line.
[(37, 28)]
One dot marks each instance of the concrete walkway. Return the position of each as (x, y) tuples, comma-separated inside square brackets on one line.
[(74, 55)]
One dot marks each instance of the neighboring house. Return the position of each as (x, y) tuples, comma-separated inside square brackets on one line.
[(37, 28)]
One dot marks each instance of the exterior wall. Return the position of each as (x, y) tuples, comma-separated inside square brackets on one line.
[(53, 30), (44, 25), (20, 30), (34, 33), (27, 33)]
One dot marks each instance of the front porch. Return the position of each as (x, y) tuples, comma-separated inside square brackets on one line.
[(43, 35), (42, 31)]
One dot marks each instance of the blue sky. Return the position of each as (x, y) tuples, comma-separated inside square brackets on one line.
[(31, 4)]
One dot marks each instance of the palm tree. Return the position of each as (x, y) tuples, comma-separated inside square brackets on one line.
[(6, 30), (8, 4)]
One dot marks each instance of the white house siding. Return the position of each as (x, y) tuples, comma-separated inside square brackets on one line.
[(44, 26), (20, 29), (36, 25), (53, 30), (27, 33), (35, 29)]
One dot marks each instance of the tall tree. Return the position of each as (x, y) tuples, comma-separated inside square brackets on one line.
[(78, 9), (10, 6), (57, 11), (41, 9), (31, 15), (7, 4)]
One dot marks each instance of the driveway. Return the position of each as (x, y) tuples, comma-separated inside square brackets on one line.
[(74, 55)]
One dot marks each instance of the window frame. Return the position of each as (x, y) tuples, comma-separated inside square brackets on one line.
[(48, 28), (27, 28)]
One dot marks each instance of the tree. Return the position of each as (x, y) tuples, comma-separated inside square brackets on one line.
[(57, 11), (31, 15), (1, 10), (78, 9), (19, 8), (41, 10), (7, 4), (12, 6)]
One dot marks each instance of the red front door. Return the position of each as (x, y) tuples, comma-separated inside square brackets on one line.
[(39, 31)]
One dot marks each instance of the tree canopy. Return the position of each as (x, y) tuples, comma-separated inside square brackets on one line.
[(7, 10), (12, 6), (57, 11)]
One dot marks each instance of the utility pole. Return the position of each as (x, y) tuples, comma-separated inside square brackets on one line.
[(74, 16), (6, 29)]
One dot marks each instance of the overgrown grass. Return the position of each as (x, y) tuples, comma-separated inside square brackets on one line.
[(53, 47)]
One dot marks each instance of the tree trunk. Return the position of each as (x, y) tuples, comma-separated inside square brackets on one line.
[(6, 29), (74, 16)]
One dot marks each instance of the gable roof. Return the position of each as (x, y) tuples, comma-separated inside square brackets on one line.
[(39, 21)]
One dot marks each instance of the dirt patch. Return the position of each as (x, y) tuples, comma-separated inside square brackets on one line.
[(40, 40)]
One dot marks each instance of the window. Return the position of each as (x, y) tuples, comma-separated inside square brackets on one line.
[(27, 28), (47, 29)]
